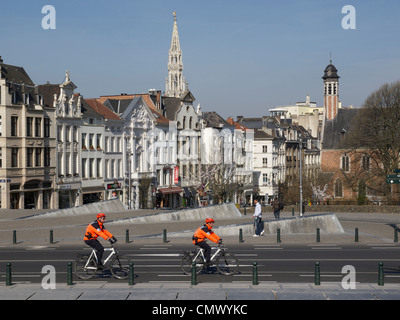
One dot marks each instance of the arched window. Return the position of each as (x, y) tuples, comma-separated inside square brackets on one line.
[(338, 188), (345, 163)]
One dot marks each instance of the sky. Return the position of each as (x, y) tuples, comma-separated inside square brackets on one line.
[(240, 58)]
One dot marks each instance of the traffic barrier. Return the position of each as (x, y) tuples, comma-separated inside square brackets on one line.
[(8, 274), (255, 274), (318, 235), (69, 274), (127, 236), (317, 274), (396, 235), (131, 274), (165, 236), (278, 235), (14, 236), (241, 235), (381, 275), (356, 235), (51, 237), (193, 278)]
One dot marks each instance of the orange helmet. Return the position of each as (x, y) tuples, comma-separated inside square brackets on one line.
[(209, 220), (100, 215)]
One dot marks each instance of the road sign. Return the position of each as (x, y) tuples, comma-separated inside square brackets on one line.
[(393, 176), (392, 181)]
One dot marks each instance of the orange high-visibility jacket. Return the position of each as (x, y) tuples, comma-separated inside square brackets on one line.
[(205, 232), (96, 229)]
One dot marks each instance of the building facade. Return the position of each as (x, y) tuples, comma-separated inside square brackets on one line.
[(27, 143)]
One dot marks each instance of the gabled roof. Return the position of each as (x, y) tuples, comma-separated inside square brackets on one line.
[(126, 106), (48, 91), (261, 135), (15, 74), (171, 106), (238, 126), (103, 110), (214, 120), (335, 129), (145, 96), (88, 111)]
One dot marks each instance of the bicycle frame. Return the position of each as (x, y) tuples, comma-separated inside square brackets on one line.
[(201, 252), (106, 249), (93, 254)]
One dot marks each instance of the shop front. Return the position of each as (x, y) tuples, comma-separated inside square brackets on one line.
[(169, 197)]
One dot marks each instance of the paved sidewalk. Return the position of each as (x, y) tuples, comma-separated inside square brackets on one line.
[(201, 292)]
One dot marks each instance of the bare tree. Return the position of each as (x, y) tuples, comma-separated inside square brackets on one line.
[(375, 134)]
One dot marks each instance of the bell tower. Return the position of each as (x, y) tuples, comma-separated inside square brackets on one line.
[(175, 84), (331, 91)]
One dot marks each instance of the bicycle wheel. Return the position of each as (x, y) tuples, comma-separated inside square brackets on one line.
[(119, 267), (83, 268), (227, 263), (186, 263)]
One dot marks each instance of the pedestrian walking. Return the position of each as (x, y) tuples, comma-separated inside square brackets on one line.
[(257, 216), (277, 206)]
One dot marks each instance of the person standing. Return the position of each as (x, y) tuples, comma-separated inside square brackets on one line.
[(276, 206), (257, 216)]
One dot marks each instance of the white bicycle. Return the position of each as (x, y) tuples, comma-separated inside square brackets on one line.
[(225, 262), (86, 266)]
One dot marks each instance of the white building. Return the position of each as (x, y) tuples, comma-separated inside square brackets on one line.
[(68, 121)]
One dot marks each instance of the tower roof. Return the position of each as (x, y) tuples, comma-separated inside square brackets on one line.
[(330, 72)]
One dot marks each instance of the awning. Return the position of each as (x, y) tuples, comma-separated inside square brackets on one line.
[(170, 190)]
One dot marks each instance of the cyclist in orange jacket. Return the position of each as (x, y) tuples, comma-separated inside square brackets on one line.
[(203, 233), (93, 231)]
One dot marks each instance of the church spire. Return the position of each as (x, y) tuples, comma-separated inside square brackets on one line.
[(175, 84)]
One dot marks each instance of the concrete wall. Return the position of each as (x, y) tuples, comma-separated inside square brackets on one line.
[(327, 222), (95, 207), (223, 211)]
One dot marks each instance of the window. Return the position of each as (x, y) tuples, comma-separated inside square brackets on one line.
[(91, 168), (84, 141), (106, 145), (265, 149), (91, 136), (98, 168), (338, 188), (38, 127), (46, 156), (38, 157), (14, 126), (365, 162), (345, 163), (47, 127), (265, 162), (265, 178), (67, 133), (29, 157), (98, 141), (14, 157), (84, 175), (68, 164), (29, 122)]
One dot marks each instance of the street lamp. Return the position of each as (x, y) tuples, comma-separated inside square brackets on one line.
[(301, 175)]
